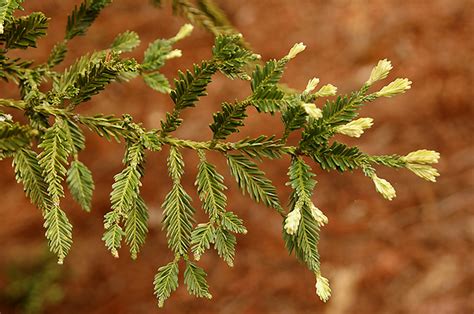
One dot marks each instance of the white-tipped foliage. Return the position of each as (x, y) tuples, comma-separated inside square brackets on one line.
[(322, 288), (422, 156), (424, 171), (292, 221), (419, 163), (295, 50), (384, 187), (175, 53), (318, 215), (312, 111), (355, 128), (183, 32), (397, 87), (326, 91), (312, 83), (380, 71)]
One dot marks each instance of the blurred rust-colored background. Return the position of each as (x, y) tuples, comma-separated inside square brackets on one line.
[(411, 255)]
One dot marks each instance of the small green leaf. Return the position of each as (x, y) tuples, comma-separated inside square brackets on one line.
[(192, 85), (228, 120), (339, 157), (13, 136), (343, 109), (53, 158), (29, 172), (155, 55), (74, 136), (253, 181), (195, 280), (231, 56), (125, 189), (175, 164), (106, 126), (125, 42), (231, 222), (113, 232), (178, 219), (166, 281), (23, 32), (136, 227), (301, 178), (268, 75), (98, 75), (83, 16), (157, 81), (58, 232), (260, 147), (201, 239), (81, 184), (210, 186), (225, 246), (57, 55)]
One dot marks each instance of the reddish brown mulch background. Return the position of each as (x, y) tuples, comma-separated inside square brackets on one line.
[(411, 255)]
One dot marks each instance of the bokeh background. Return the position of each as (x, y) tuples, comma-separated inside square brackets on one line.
[(411, 255)]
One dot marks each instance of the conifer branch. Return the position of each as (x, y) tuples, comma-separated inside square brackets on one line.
[(75, 137), (126, 203), (304, 240), (55, 129), (293, 117), (104, 125), (222, 224), (192, 85), (189, 87)]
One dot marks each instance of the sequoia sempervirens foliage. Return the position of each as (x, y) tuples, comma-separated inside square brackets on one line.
[(44, 151)]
